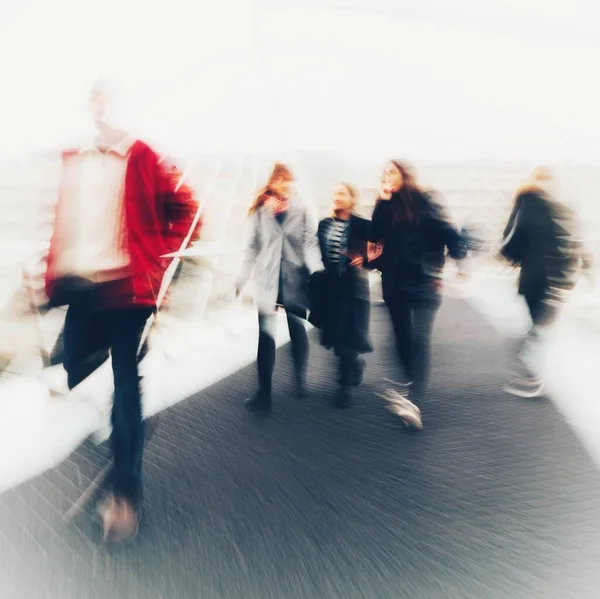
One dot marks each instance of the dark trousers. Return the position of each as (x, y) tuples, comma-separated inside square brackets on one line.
[(348, 364), (542, 313), (265, 359), (413, 327), (542, 316), (89, 334)]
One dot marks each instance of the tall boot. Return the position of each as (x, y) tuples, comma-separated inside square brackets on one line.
[(343, 397), (299, 344), (265, 362), (261, 400), (346, 372)]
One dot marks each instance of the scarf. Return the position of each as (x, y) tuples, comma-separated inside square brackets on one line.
[(278, 205)]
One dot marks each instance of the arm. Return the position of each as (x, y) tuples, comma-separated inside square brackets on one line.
[(451, 238), (312, 251), (251, 251), (585, 258), (48, 263), (514, 233), (320, 237), (454, 241), (456, 244), (378, 222), (512, 217), (376, 229), (361, 249), (181, 211), (362, 228)]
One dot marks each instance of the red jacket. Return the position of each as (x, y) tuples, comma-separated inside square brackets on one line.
[(151, 225), (181, 208)]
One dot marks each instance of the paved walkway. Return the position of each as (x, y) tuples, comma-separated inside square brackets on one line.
[(496, 498), (569, 361), (39, 431)]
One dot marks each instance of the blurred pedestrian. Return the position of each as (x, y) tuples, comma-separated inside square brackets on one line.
[(281, 252), (111, 228), (414, 232), (541, 239), (342, 309)]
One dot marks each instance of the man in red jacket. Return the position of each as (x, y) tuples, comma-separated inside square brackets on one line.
[(112, 226)]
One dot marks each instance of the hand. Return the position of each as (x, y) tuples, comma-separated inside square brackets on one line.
[(374, 250), (356, 260), (385, 193)]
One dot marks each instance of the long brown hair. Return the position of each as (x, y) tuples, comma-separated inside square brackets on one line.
[(280, 173), (403, 201)]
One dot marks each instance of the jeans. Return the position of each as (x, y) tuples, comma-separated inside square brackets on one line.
[(413, 327), (265, 360), (89, 334)]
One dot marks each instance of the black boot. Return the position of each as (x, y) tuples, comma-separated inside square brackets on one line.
[(343, 397), (261, 400), (301, 390), (358, 372)]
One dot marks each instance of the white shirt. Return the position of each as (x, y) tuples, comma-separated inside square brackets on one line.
[(92, 191)]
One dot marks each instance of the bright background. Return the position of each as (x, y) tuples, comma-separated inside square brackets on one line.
[(433, 80)]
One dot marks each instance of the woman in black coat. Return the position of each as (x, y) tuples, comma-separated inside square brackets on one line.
[(342, 309), (541, 239), (414, 233)]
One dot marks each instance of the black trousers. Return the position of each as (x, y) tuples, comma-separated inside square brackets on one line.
[(265, 359), (89, 333), (542, 313), (412, 328), (542, 316), (348, 363)]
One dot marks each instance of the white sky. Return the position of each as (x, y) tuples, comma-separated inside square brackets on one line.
[(417, 78)]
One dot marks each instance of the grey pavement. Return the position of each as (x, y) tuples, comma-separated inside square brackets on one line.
[(497, 497)]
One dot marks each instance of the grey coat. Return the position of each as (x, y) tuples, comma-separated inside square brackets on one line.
[(273, 250)]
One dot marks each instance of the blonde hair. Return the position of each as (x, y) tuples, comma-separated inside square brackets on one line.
[(539, 181), (354, 194)]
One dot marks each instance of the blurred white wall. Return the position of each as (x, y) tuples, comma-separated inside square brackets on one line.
[(511, 81)]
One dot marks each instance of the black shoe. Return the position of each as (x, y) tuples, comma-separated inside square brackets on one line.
[(259, 401), (343, 398), (359, 372)]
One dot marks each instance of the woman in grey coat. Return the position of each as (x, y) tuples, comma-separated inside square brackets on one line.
[(283, 251)]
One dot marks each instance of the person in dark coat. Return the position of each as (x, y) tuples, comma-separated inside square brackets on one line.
[(344, 297), (540, 238), (414, 233)]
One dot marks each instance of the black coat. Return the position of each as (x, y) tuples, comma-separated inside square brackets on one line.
[(540, 238), (414, 251), (341, 297)]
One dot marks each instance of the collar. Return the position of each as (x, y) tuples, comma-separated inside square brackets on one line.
[(121, 149)]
